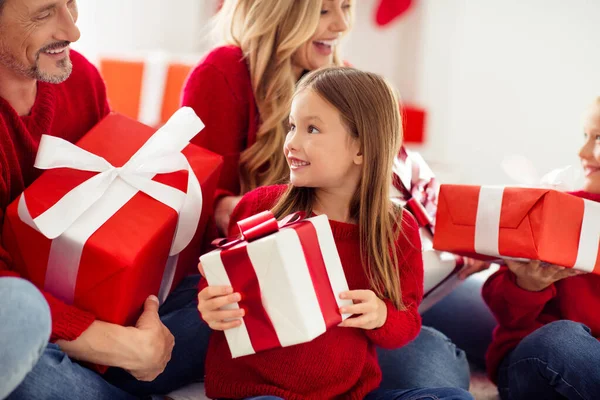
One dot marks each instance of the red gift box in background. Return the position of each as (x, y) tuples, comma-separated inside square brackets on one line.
[(413, 124), (148, 90), (518, 222), (123, 261)]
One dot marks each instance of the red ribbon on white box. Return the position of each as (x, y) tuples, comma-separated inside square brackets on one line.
[(414, 184), (81, 212), (285, 305), (415, 187), (487, 228)]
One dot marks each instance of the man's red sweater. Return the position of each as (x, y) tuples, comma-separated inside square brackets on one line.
[(519, 312), (220, 91), (67, 110), (341, 363)]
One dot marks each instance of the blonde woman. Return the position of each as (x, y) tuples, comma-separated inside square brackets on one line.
[(242, 90)]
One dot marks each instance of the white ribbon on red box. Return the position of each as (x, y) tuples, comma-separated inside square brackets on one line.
[(81, 212), (487, 228)]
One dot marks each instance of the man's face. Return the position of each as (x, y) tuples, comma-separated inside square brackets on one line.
[(35, 37)]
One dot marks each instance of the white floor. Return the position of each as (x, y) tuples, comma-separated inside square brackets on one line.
[(194, 391)]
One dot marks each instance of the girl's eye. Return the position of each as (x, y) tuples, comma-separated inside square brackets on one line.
[(292, 127), (313, 129)]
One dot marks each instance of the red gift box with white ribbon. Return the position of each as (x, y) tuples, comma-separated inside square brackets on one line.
[(521, 223), (117, 217), (290, 276)]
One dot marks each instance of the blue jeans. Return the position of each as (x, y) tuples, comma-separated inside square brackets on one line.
[(404, 394), (465, 318), (558, 361), (430, 361), (24, 331), (56, 376)]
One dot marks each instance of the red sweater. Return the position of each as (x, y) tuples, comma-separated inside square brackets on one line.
[(520, 312), (342, 362), (220, 92), (67, 110)]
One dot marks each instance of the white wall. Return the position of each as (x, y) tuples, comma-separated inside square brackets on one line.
[(506, 77), (391, 50), (139, 26), (497, 77)]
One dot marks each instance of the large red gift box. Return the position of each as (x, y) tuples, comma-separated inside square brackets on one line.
[(518, 222), (107, 244)]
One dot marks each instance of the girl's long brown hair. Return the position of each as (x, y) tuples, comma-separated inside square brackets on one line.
[(370, 110)]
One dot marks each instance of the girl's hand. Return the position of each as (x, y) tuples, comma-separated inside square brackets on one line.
[(370, 312), (210, 301), (535, 277)]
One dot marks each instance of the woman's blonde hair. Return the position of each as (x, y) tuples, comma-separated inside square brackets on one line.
[(369, 108), (269, 33)]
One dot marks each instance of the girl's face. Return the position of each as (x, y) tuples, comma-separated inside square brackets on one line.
[(318, 51), (319, 150), (590, 152)]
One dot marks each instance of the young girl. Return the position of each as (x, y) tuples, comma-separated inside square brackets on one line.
[(344, 130), (242, 91), (546, 345)]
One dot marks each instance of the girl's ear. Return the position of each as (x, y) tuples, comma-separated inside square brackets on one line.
[(358, 158)]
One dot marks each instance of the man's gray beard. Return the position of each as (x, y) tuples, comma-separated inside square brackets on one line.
[(34, 71)]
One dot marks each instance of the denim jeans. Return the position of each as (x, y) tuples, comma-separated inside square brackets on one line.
[(464, 317), (430, 361), (560, 360), (24, 331), (405, 394), (57, 377)]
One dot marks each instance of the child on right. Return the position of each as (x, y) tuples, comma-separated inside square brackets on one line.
[(546, 345)]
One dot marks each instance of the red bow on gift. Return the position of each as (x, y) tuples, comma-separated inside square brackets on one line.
[(254, 278), (419, 190), (258, 226)]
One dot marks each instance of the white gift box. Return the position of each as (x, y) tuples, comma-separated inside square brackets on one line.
[(290, 281), (440, 270)]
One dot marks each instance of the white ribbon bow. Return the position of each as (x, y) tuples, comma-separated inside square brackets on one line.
[(522, 170), (77, 215)]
